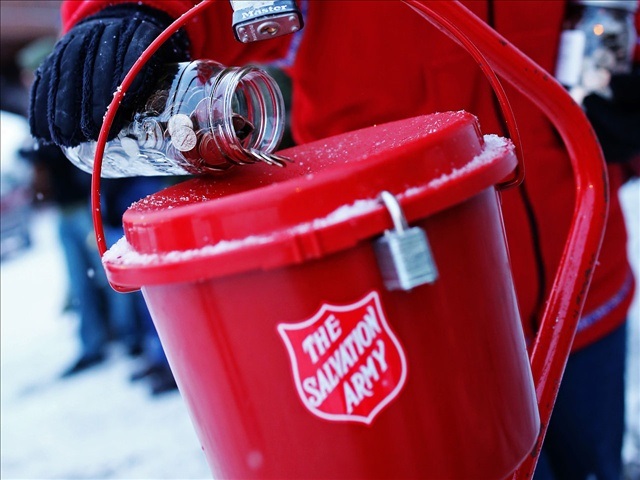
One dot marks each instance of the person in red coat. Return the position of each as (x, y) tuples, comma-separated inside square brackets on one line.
[(356, 64)]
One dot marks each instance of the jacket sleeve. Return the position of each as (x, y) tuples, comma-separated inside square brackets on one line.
[(210, 33)]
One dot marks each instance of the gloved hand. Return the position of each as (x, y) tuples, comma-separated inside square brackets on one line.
[(75, 84), (617, 121)]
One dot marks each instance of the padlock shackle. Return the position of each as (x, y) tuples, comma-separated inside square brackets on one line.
[(395, 210)]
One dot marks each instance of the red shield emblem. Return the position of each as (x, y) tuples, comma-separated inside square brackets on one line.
[(347, 363)]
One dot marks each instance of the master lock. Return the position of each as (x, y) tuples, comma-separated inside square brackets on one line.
[(403, 254), (255, 20)]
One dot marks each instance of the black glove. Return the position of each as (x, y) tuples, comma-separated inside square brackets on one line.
[(617, 121), (75, 84)]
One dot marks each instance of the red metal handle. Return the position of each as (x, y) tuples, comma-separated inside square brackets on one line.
[(573, 277), (564, 305), (110, 116)]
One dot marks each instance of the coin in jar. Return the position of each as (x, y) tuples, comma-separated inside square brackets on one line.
[(177, 121), (151, 135), (183, 138), (201, 112), (241, 126), (156, 102), (193, 154), (209, 151)]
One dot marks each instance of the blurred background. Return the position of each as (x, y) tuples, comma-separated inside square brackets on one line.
[(21, 24), (61, 418)]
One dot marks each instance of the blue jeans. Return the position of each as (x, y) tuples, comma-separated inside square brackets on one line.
[(131, 316), (585, 433), (86, 277), (129, 328)]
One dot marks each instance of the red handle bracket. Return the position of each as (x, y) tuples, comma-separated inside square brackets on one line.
[(573, 277), (110, 116)]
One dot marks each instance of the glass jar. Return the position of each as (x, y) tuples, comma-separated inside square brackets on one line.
[(203, 117), (597, 41)]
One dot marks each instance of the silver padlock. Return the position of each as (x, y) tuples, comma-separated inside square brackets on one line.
[(403, 254), (255, 20)]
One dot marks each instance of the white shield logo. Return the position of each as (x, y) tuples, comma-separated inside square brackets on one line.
[(347, 363)]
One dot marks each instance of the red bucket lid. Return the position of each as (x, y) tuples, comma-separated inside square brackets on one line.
[(262, 217)]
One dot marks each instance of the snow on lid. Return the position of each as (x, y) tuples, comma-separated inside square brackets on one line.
[(493, 146), (351, 148), (122, 253)]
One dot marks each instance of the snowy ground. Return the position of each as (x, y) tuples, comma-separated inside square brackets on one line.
[(95, 425), (98, 425), (630, 196)]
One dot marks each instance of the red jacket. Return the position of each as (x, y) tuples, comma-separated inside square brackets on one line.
[(361, 63)]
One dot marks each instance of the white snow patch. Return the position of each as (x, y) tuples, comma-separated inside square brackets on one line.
[(122, 253)]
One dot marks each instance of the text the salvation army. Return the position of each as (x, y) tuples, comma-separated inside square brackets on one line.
[(356, 360)]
